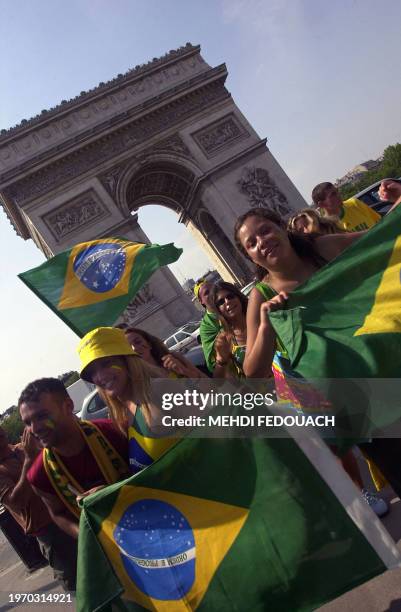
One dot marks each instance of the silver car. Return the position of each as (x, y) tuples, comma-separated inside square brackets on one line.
[(248, 288), (184, 338), (93, 408), (370, 196)]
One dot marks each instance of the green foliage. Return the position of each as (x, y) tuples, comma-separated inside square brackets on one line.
[(12, 424), (390, 167), (9, 411), (68, 378), (391, 164)]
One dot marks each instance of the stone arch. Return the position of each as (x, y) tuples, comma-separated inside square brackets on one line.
[(164, 183), (170, 183), (174, 178), (167, 133)]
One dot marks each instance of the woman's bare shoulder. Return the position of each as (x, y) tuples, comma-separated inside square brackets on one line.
[(255, 297), (332, 245)]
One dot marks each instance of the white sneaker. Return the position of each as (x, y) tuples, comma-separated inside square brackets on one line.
[(379, 506)]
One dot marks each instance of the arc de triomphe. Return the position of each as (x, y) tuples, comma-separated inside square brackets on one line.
[(167, 132)]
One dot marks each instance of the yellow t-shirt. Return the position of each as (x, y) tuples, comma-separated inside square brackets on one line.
[(357, 216)]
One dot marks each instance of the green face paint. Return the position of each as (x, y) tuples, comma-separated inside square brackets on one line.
[(116, 367), (49, 423)]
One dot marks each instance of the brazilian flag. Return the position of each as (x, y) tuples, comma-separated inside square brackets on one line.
[(230, 524), (345, 323), (91, 284)]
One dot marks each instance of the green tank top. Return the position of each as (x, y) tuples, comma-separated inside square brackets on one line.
[(267, 292)]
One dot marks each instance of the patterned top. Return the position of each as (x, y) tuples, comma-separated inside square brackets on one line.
[(238, 357), (143, 447)]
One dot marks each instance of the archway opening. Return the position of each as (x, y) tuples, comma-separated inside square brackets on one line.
[(164, 183), (159, 193), (161, 225)]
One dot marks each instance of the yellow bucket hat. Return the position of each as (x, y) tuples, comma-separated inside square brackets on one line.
[(102, 342), (197, 287)]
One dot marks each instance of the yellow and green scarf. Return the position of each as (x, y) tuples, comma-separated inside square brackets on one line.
[(113, 467)]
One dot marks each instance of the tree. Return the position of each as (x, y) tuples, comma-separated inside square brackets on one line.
[(68, 378), (389, 167), (13, 425), (391, 164)]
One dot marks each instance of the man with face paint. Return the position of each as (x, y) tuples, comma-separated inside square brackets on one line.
[(17, 495), (77, 458), (210, 326)]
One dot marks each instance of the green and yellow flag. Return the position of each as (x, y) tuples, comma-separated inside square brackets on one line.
[(209, 328), (91, 284), (228, 525), (345, 321)]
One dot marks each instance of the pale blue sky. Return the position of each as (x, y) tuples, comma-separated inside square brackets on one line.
[(320, 80)]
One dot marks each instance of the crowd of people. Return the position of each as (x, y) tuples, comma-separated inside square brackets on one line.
[(61, 459)]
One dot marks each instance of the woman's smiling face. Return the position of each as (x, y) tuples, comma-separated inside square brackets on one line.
[(228, 304), (264, 241), (139, 344), (110, 374)]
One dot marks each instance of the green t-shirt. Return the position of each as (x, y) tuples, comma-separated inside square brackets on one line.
[(209, 328)]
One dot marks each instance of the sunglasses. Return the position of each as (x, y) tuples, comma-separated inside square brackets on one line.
[(228, 296)]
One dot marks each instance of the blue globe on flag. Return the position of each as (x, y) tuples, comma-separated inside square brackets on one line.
[(100, 267), (157, 548)]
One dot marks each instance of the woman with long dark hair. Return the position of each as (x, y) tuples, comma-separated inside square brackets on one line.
[(155, 352), (230, 344), (284, 261)]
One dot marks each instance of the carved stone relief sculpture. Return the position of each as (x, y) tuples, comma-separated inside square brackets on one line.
[(219, 135), (173, 144), (262, 191), (110, 178), (75, 214)]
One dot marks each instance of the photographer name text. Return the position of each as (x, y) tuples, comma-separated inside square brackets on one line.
[(260, 420)]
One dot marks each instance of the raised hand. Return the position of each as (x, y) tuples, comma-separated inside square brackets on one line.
[(390, 190), (173, 364), (278, 302), (222, 347), (29, 445)]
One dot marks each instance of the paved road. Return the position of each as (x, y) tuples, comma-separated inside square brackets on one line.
[(15, 579), (381, 594)]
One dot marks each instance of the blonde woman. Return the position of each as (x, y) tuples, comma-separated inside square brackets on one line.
[(309, 221), (123, 379)]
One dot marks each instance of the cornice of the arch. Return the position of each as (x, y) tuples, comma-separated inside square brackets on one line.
[(42, 175)]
